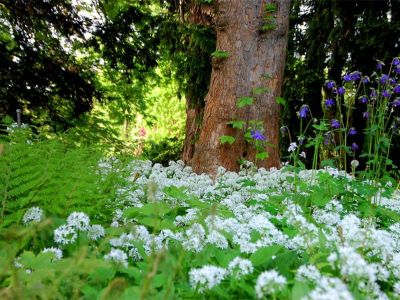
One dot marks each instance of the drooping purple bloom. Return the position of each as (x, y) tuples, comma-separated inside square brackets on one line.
[(379, 64), (257, 135), (347, 78), (396, 102), (363, 99), (392, 81), (396, 89), (356, 75), (365, 79), (384, 78), (329, 102), (354, 147), (397, 69), (396, 61), (335, 124), (365, 114), (373, 94), (327, 138), (302, 139), (304, 111), (352, 131), (340, 90), (330, 84), (386, 94)]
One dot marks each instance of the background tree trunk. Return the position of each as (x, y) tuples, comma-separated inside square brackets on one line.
[(256, 60)]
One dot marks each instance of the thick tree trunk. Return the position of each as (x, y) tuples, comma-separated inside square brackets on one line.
[(256, 60)]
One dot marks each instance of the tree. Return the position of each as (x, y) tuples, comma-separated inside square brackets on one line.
[(249, 62)]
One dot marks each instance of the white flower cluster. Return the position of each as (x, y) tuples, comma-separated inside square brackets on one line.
[(56, 251), (268, 283), (117, 256), (32, 215)]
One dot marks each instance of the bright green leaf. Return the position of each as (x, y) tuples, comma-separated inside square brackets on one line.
[(227, 139)]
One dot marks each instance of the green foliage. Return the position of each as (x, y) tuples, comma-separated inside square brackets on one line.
[(220, 54), (227, 139), (269, 20), (163, 150), (244, 101)]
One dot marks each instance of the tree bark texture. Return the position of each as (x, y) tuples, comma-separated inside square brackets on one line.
[(256, 60)]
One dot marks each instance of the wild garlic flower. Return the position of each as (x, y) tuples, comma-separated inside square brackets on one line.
[(56, 251), (32, 215), (268, 283), (239, 267), (117, 256), (96, 232), (207, 277), (65, 235), (308, 273), (329, 289), (79, 221)]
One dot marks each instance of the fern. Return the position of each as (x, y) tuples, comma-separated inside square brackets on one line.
[(55, 175)]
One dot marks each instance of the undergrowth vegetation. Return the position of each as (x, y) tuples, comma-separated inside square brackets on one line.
[(78, 225)]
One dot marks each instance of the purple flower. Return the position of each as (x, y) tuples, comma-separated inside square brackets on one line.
[(396, 102), (386, 94), (384, 78), (355, 76), (302, 139), (363, 99), (373, 94), (365, 115), (330, 84), (304, 111), (397, 69), (283, 130), (392, 81), (335, 124), (352, 131), (354, 147), (396, 89), (328, 138), (329, 102), (257, 135), (365, 80), (396, 61), (340, 90), (379, 64), (347, 78)]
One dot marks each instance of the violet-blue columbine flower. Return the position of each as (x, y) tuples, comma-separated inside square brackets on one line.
[(365, 79), (356, 75), (386, 94), (347, 78), (304, 111), (329, 102), (365, 114), (379, 64), (396, 61), (384, 78), (397, 69), (302, 139), (330, 84), (396, 102), (257, 135), (340, 90), (354, 147), (392, 81), (363, 99), (327, 138), (396, 89), (352, 131), (373, 94), (335, 124)]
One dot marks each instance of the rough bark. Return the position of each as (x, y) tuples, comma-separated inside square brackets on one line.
[(256, 59)]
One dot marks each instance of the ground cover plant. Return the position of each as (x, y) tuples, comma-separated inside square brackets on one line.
[(78, 223)]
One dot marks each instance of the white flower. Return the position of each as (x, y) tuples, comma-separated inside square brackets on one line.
[(56, 251), (396, 288), (118, 256), (354, 163), (65, 235), (78, 220), (195, 237), (217, 239), (308, 273), (206, 278), (239, 267), (32, 215), (95, 232), (303, 154), (329, 289), (292, 147), (269, 282)]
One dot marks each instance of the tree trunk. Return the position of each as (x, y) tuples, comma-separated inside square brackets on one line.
[(256, 60)]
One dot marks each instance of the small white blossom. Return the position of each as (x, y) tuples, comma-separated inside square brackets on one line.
[(206, 278), (292, 147), (308, 273), (56, 251), (303, 154), (78, 220), (32, 215), (269, 282), (354, 163), (118, 256), (65, 235), (95, 232), (239, 267)]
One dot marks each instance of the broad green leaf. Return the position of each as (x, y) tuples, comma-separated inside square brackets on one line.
[(263, 255), (262, 155), (237, 124), (300, 290), (243, 101), (227, 139), (281, 101)]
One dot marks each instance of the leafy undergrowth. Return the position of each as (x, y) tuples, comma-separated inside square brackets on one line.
[(172, 234)]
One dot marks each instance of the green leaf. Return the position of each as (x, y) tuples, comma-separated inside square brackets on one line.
[(259, 90), (300, 290), (263, 255), (227, 139), (220, 54), (237, 124), (262, 155), (243, 101), (281, 101)]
